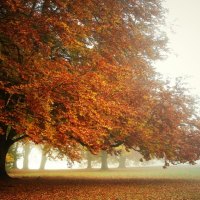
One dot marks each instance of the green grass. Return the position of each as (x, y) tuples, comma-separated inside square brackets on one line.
[(172, 172)]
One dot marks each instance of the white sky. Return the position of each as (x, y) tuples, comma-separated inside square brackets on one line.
[(184, 17)]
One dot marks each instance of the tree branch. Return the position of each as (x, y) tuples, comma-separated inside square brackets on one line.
[(117, 144), (19, 138)]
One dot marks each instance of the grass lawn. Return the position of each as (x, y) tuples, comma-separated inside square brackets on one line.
[(148, 183)]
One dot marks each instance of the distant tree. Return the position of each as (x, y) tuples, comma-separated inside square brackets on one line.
[(26, 153), (130, 158), (16, 154), (121, 157), (122, 161), (92, 160), (12, 157), (89, 160), (49, 153), (43, 161), (104, 160)]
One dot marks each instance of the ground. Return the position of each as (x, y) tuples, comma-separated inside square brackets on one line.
[(174, 183)]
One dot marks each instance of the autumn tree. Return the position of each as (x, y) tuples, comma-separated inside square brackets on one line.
[(65, 67), (170, 129), (79, 73)]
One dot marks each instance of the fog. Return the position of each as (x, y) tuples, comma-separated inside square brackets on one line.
[(132, 159)]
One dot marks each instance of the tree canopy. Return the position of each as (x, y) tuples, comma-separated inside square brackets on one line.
[(79, 73)]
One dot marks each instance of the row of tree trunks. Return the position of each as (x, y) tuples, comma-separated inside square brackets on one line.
[(27, 151)]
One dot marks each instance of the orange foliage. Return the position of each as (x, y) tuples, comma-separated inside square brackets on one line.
[(79, 72)]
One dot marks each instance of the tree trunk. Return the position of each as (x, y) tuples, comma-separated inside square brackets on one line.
[(43, 161), (6, 141), (89, 160), (15, 155), (104, 162), (3, 172), (27, 151), (122, 161), (4, 147)]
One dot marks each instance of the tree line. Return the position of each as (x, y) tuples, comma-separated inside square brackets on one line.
[(22, 151)]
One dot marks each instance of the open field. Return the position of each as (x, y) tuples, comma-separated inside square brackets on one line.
[(178, 183)]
